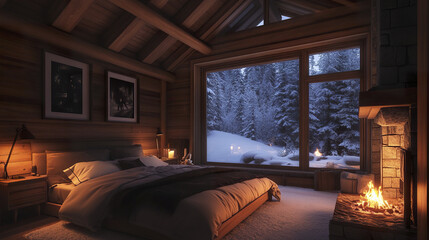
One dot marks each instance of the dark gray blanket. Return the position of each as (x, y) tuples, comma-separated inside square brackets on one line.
[(168, 192)]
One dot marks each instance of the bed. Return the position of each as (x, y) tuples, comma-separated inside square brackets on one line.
[(151, 200)]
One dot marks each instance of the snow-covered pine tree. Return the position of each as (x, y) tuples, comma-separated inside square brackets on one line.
[(229, 83), (348, 141), (214, 120), (250, 96), (334, 105), (325, 103), (287, 105), (264, 115)]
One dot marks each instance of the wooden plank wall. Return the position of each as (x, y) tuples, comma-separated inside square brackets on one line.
[(21, 100), (179, 104)]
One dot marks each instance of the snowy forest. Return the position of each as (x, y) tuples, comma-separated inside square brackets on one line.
[(261, 103)]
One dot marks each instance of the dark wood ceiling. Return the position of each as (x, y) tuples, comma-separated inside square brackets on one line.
[(152, 31)]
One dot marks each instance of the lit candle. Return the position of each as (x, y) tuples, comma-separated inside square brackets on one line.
[(171, 154)]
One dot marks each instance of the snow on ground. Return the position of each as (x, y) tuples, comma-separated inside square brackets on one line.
[(230, 148)]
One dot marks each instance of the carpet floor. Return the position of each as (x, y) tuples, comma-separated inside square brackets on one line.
[(302, 214)]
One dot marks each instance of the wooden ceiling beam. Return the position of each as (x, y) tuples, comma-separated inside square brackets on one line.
[(271, 13), (247, 19), (159, 50), (294, 9), (344, 2), (195, 16), (307, 5), (149, 16), (160, 36), (124, 29), (293, 23), (222, 18), (288, 14), (70, 16), (266, 6), (64, 40), (150, 54), (159, 3), (118, 36)]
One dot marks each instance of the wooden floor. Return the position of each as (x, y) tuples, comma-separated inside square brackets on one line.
[(16, 231)]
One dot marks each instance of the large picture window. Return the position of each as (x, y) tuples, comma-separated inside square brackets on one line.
[(255, 114)]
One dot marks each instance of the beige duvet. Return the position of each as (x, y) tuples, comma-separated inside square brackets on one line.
[(196, 217)]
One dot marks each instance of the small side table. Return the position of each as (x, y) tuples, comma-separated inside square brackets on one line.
[(19, 193)]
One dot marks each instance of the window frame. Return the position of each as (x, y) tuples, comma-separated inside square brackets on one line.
[(201, 67)]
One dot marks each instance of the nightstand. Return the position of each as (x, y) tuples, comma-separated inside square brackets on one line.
[(19, 193)]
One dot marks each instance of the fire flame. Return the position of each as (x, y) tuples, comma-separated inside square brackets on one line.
[(317, 153), (373, 198)]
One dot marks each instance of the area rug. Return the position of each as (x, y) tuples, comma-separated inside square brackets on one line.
[(302, 214)]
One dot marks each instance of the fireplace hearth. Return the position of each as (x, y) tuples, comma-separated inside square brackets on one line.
[(350, 223)]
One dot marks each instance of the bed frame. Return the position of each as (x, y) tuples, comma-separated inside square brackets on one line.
[(52, 209)]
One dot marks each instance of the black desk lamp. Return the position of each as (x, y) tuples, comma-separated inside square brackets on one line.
[(21, 133), (158, 134)]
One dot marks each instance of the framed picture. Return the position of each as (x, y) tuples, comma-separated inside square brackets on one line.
[(66, 88), (121, 98)]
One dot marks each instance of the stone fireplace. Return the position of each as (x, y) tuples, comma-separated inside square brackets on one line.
[(391, 136), (391, 161)]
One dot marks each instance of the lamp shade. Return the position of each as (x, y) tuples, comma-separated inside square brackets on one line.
[(24, 133), (158, 132)]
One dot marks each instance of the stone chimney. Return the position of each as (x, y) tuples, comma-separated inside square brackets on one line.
[(392, 134)]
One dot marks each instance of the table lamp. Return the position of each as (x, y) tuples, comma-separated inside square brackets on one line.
[(21, 133)]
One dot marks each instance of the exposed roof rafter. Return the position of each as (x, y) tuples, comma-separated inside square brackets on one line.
[(167, 42), (159, 50), (247, 19), (118, 36), (216, 24), (149, 16), (344, 2), (65, 40), (293, 8), (307, 5), (71, 14), (124, 36), (271, 14)]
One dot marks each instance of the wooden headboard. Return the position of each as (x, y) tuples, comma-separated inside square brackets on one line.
[(29, 153), (40, 160)]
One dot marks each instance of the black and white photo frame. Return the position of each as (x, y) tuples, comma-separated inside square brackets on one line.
[(121, 98), (66, 88)]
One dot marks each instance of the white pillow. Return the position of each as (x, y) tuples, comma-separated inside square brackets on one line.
[(84, 171), (153, 161)]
